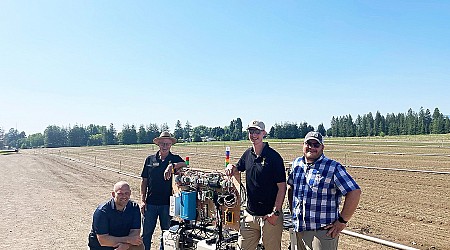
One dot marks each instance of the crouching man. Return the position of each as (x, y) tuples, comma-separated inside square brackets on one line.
[(117, 222)]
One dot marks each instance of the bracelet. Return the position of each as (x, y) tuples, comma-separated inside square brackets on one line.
[(341, 220), (173, 168)]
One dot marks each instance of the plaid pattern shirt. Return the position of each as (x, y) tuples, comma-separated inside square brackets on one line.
[(318, 189)]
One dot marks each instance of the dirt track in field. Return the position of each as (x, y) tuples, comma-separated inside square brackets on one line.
[(49, 202)]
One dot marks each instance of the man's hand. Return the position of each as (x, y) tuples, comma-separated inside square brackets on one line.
[(122, 246), (143, 205), (168, 172), (335, 229), (271, 218), (230, 169), (134, 240)]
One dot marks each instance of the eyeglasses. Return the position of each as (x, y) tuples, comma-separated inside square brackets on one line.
[(254, 131), (313, 144), (165, 144)]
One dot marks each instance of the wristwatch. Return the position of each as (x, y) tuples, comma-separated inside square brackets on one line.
[(341, 220), (276, 212)]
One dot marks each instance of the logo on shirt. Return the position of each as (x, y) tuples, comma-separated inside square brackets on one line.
[(313, 177)]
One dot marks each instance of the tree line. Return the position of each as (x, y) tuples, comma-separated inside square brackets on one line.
[(95, 135), (410, 123)]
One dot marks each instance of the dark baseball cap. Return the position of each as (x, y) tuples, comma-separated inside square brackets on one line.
[(313, 135)]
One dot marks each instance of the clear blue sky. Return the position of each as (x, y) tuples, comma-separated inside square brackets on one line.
[(208, 62)]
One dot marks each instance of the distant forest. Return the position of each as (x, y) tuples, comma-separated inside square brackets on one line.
[(410, 123)]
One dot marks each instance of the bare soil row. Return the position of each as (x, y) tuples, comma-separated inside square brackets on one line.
[(407, 208)]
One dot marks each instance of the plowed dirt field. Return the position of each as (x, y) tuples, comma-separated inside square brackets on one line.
[(49, 195)]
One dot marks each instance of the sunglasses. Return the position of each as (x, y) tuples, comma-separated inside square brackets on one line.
[(313, 144), (254, 131), (164, 144)]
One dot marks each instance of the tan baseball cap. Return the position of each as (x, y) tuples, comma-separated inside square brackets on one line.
[(256, 124)]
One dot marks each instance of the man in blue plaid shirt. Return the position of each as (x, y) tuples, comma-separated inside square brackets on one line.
[(316, 185)]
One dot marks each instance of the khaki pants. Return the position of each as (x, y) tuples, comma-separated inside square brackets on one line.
[(140, 247), (316, 240), (254, 228)]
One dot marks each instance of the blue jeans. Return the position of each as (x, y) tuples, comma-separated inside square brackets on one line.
[(150, 217)]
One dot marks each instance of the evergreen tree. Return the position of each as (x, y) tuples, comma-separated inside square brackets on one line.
[(401, 124), (290, 130), (272, 132), (377, 124), (164, 127), (364, 126), (334, 126), (238, 129), (178, 131), (370, 124), (321, 129), (437, 123), (342, 123), (109, 135), (141, 135), (446, 125), (350, 126), (278, 131), (187, 130), (152, 132), (395, 125), (235, 130), (383, 127), (411, 122), (421, 124), (428, 121), (358, 124)]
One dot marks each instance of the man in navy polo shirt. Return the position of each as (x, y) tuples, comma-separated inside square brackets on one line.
[(266, 187), (156, 187), (117, 222)]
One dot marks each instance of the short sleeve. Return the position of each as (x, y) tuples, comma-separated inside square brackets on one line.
[(136, 217), (100, 222), (240, 165), (344, 182), (290, 179), (280, 174), (177, 158), (144, 173)]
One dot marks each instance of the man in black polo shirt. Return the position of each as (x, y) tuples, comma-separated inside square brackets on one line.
[(266, 187), (156, 187), (117, 223)]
